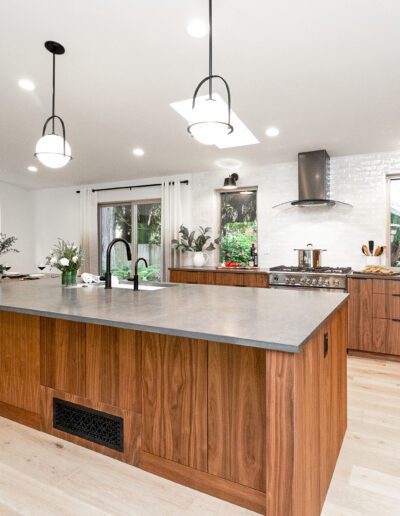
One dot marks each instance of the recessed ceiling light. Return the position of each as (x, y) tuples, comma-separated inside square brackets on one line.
[(26, 84), (272, 132), (197, 29), (228, 163), (138, 152), (241, 136), (32, 169)]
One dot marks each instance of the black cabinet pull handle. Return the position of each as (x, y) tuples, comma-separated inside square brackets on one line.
[(326, 344)]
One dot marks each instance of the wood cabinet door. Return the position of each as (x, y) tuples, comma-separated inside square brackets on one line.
[(174, 423), (62, 353), (113, 366), (178, 276), (256, 280), (386, 336), (360, 314), (237, 414), (231, 279), (20, 361)]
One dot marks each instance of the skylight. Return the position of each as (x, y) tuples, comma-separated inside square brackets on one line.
[(241, 135)]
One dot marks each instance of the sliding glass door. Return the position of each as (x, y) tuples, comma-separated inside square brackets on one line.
[(139, 222)]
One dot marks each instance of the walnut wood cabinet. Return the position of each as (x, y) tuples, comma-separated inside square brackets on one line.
[(218, 277), (374, 316), (259, 428)]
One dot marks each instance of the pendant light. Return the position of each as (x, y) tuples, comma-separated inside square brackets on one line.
[(210, 122), (53, 150)]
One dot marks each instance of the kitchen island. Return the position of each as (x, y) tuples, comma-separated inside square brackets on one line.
[(240, 393)]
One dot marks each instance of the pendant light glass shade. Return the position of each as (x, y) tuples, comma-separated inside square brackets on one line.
[(50, 151), (207, 122), (210, 122), (53, 150)]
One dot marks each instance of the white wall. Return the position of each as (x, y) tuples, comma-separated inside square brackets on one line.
[(38, 218), (16, 219), (57, 209), (359, 180)]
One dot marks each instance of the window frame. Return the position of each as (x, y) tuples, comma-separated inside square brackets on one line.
[(389, 178), (218, 192), (134, 214)]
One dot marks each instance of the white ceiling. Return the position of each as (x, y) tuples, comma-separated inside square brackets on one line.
[(326, 72)]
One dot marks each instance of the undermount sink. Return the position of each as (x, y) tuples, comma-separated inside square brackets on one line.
[(141, 287), (126, 286)]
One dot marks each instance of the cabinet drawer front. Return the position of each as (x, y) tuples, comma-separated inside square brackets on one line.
[(395, 287), (233, 279), (386, 336), (386, 306), (382, 286), (256, 280)]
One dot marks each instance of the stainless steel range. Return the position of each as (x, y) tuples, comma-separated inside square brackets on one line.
[(332, 278)]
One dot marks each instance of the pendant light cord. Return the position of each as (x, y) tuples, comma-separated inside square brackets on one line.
[(210, 52), (53, 104)]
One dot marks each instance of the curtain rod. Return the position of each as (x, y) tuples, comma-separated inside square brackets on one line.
[(186, 182)]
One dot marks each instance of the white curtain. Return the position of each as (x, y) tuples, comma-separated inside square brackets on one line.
[(88, 230), (171, 219)]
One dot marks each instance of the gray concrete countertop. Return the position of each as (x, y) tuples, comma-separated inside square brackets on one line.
[(264, 318), (216, 269)]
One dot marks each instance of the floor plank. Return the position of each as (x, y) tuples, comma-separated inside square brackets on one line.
[(42, 475), (366, 481)]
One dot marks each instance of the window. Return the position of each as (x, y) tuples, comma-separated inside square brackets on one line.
[(139, 222), (394, 196), (238, 225)]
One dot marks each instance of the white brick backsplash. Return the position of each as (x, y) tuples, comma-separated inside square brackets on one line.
[(359, 180)]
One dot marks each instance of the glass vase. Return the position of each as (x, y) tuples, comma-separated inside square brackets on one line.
[(66, 278), (73, 278)]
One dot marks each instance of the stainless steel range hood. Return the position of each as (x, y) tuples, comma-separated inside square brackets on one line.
[(314, 181)]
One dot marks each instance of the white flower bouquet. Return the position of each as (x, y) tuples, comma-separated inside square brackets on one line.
[(66, 257)]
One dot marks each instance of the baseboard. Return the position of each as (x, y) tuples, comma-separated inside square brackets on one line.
[(201, 481), (370, 354), (25, 417)]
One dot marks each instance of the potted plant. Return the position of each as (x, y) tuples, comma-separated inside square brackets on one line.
[(198, 245), (6, 246), (67, 258)]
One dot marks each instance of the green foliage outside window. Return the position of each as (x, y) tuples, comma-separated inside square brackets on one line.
[(238, 226)]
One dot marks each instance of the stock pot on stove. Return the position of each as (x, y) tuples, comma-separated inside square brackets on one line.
[(309, 258)]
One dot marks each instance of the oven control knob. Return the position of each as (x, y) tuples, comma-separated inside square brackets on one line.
[(293, 281), (336, 282), (302, 281), (276, 277), (314, 281), (320, 281), (308, 281), (287, 281), (326, 283)]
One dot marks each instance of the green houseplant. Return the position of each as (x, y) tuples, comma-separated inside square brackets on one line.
[(197, 242), (6, 246), (67, 258)]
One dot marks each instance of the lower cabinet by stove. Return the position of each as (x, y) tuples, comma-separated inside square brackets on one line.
[(224, 278), (374, 316)]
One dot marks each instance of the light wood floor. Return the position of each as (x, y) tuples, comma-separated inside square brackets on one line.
[(41, 475)]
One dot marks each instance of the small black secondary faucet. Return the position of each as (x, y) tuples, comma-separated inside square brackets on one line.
[(108, 258), (136, 276)]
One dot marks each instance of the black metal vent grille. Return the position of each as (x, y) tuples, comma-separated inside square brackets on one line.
[(95, 426)]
